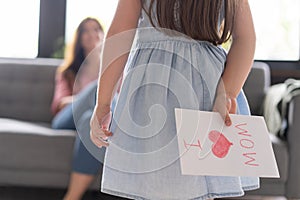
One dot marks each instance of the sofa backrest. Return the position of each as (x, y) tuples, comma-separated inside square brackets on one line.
[(27, 86), (26, 89), (256, 86)]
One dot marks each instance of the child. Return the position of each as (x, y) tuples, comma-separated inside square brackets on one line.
[(175, 61)]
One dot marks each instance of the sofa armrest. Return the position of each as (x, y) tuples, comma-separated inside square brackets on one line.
[(293, 138), (256, 86)]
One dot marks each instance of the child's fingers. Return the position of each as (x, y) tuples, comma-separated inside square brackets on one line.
[(227, 120), (98, 141), (107, 133), (221, 112), (103, 134), (100, 132), (101, 143), (224, 114), (99, 137), (233, 106), (230, 108)]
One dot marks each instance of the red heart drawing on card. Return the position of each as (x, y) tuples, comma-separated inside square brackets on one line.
[(221, 145)]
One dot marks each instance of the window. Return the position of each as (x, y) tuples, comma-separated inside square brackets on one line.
[(19, 22), (277, 29), (276, 22), (77, 10)]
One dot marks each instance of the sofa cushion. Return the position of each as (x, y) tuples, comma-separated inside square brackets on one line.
[(29, 146), (27, 90)]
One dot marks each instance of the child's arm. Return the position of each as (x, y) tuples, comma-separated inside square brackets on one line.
[(240, 57), (118, 42), (116, 49)]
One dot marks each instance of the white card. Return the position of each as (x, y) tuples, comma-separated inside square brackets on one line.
[(208, 147)]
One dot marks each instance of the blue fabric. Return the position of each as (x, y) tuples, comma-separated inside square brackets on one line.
[(83, 161), (64, 119), (164, 72), (243, 107)]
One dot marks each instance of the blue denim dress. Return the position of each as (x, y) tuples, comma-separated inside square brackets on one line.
[(164, 72)]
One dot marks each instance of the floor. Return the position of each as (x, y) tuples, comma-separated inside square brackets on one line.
[(21, 193), (258, 198)]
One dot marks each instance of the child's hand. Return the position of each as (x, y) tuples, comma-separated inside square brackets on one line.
[(99, 127), (225, 105)]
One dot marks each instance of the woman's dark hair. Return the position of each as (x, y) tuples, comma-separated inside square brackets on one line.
[(75, 53), (198, 19)]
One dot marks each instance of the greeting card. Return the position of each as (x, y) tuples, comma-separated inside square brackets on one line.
[(208, 147)]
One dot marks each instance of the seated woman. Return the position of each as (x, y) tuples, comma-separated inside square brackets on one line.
[(80, 69)]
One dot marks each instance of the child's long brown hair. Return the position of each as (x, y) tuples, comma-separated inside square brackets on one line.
[(198, 19)]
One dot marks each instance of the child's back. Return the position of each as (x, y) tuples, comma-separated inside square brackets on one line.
[(163, 72)]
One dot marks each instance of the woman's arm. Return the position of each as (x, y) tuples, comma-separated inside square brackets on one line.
[(116, 49), (61, 92)]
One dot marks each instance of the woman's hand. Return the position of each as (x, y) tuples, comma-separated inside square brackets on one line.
[(225, 105), (99, 126), (64, 102)]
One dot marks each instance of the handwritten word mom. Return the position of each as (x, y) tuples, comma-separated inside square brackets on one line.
[(247, 144)]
